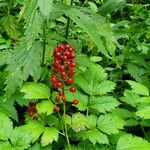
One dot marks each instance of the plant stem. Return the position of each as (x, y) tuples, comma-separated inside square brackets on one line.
[(68, 23), (143, 130), (62, 126), (44, 43)]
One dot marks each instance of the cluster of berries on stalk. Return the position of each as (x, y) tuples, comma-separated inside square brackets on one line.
[(63, 72), (32, 110)]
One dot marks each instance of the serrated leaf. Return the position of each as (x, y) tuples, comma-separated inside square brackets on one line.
[(110, 124), (138, 88), (82, 98), (145, 100), (144, 112), (129, 142), (92, 121), (103, 103), (5, 146), (93, 81), (35, 91), (49, 135), (45, 106), (20, 138), (45, 6), (6, 127), (94, 136), (35, 129), (79, 122)]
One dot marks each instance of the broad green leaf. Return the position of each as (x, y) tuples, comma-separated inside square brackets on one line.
[(92, 79), (92, 121), (49, 135), (4, 57), (82, 98), (112, 6), (144, 112), (94, 136), (145, 100), (20, 138), (35, 129), (79, 122), (129, 142), (138, 88), (5, 146), (35, 91), (93, 6), (103, 103), (45, 106), (45, 6), (110, 124), (6, 127)]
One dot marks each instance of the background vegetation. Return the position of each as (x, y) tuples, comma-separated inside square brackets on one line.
[(111, 39)]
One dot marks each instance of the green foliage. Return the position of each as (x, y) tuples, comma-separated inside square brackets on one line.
[(35, 91), (129, 142)]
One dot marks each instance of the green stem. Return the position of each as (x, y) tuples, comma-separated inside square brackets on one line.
[(68, 23), (143, 130), (44, 43), (62, 126)]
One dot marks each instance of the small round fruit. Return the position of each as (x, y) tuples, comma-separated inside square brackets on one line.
[(70, 81), (56, 108), (54, 79), (64, 58), (59, 84), (63, 98), (72, 89), (57, 99), (72, 55), (63, 74), (60, 93), (73, 64), (75, 102), (62, 68), (72, 72)]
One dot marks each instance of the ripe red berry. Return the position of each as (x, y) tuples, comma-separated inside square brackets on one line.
[(67, 53), (72, 55), (57, 54), (55, 108), (72, 89), (55, 70), (60, 93), (64, 58), (72, 64), (63, 98), (67, 46), (70, 49), (70, 81), (72, 72), (62, 47), (62, 68), (63, 74), (54, 79), (59, 84), (75, 102), (57, 98)]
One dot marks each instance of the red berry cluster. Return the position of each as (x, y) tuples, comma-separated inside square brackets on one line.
[(63, 71), (32, 110)]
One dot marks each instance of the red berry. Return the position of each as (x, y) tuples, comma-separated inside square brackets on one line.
[(70, 81), (56, 63), (62, 47), (67, 53), (54, 79), (60, 93), (72, 89), (70, 49), (57, 54), (62, 68), (55, 70), (75, 102), (59, 84), (72, 55), (57, 98), (63, 98), (64, 58), (63, 74), (72, 72), (73, 64), (67, 46), (55, 108)]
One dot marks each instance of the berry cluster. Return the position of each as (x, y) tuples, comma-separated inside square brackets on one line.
[(63, 71), (32, 110)]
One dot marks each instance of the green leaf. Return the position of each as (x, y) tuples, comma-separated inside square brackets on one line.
[(110, 124), (83, 99), (93, 81), (138, 88), (144, 112), (45, 106), (45, 6), (5, 146), (20, 138), (49, 135), (79, 122), (145, 100), (103, 103), (112, 6), (6, 127), (35, 129), (129, 142), (35, 91), (4, 57)]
